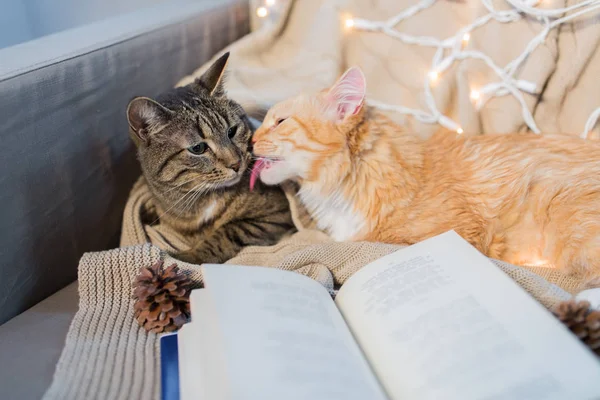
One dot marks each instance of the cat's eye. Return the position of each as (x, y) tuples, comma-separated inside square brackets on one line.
[(231, 132), (279, 121), (198, 149)]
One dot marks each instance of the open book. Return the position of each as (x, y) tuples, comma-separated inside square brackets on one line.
[(436, 320)]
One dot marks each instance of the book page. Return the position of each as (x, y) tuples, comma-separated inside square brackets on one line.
[(200, 353), (189, 370), (283, 338), (438, 320)]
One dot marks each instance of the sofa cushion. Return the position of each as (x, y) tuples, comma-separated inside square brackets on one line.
[(31, 344)]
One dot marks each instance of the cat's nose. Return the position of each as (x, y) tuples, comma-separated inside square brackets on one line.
[(235, 166), (257, 134)]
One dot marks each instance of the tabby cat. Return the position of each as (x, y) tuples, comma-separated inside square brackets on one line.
[(193, 144), (523, 198)]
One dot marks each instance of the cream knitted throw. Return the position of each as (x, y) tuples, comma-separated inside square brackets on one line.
[(108, 356)]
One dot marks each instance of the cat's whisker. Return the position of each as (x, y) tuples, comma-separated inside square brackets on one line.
[(195, 196), (177, 202), (183, 199), (180, 185), (196, 193), (187, 203), (272, 158)]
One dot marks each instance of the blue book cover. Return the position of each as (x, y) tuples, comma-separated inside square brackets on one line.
[(169, 367)]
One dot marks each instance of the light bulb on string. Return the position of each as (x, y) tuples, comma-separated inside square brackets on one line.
[(262, 12), (458, 44), (433, 76)]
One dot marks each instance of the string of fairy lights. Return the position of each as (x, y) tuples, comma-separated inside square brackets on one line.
[(454, 49), (266, 9)]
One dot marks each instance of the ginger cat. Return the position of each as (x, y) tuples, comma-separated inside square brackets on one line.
[(525, 199)]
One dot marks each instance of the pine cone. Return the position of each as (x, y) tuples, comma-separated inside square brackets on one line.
[(582, 321), (162, 298)]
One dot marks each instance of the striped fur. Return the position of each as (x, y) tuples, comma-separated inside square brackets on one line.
[(522, 198), (205, 197)]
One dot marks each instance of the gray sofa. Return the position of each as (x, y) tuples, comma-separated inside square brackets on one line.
[(67, 162)]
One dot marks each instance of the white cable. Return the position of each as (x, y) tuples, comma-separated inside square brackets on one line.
[(508, 85), (409, 12), (419, 115), (526, 9), (590, 123)]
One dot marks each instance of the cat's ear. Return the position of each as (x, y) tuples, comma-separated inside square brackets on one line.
[(347, 95), (213, 79), (146, 117)]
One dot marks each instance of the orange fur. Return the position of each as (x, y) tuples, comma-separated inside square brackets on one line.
[(522, 198)]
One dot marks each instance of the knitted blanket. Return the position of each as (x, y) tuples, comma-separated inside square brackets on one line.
[(108, 356)]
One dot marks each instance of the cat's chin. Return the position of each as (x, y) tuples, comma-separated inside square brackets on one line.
[(275, 174), (231, 182), (271, 171), (269, 180)]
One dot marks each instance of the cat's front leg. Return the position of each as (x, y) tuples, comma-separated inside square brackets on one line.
[(187, 256), (202, 255), (214, 247), (227, 241)]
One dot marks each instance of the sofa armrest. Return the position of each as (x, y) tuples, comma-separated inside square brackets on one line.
[(66, 159)]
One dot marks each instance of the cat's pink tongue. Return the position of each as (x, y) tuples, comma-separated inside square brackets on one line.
[(259, 165)]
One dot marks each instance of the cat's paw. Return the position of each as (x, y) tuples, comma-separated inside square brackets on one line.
[(188, 257)]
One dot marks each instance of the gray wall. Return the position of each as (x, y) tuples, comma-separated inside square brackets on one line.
[(23, 20), (14, 23)]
